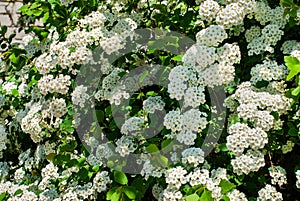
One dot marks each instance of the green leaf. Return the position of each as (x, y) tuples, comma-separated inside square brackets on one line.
[(293, 72), (18, 192), (293, 65), (225, 198), (35, 5), (223, 147), (151, 93), (286, 3), (152, 148), (296, 91), (15, 102), (120, 177), (69, 147), (23, 8), (293, 131), (166, 145), (96, 168), (50, 156), (177, 58), (45, 17), (15, 92), (14, 59), (37, 12), (226, 186), (110, 193), (193, 197), (163, 160), (130, 191), (143, 76), (81, 160), (289, 60), (206, 196), (99, 115), (116, 196), (83, 174), (2, 196)]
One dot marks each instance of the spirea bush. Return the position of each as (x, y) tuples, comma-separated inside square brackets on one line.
[(151, 100)]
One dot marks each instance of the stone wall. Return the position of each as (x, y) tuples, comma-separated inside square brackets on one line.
[(9, 17)]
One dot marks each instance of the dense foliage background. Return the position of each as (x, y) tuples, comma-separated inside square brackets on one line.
[(68, 132)]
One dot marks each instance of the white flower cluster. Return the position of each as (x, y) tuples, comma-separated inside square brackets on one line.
[(66, 2), (264, 14), (9, 86), (269, 193), (150, 169), (3, 140), (48, 173), (229, 54), (289, 46), (213, 65), (236, 195), (31, 123), (79, 192), (44, 63), (256, 106), (157, 191), (288, 147), (125, 146), (177, 177), (208, 10), (178, 78), (58, 107), (298, 178), (133, 126), (101, 181), (252, 161), (187, 124), (31, 44), (49, 84), (93, 20), (10, 188), (103, 151), (173, 120), (153, 103), (296, 54), (241, 136), (263, 41), (79, 95), (185, 84), (252, 33), (278, 175), (211, 36), (40, 115), (67, 56), (109, 89), (19, 175), (229, 15), (74, 49), (268, 71), (192, 156), (4, 171), (171, 195), (190, 58)]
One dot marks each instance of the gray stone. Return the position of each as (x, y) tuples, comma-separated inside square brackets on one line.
[(2, 9), (9, 7), (5, 20), (15, 18), (16, 7)]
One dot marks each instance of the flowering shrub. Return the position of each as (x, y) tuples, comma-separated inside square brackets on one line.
[(151, 100)]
